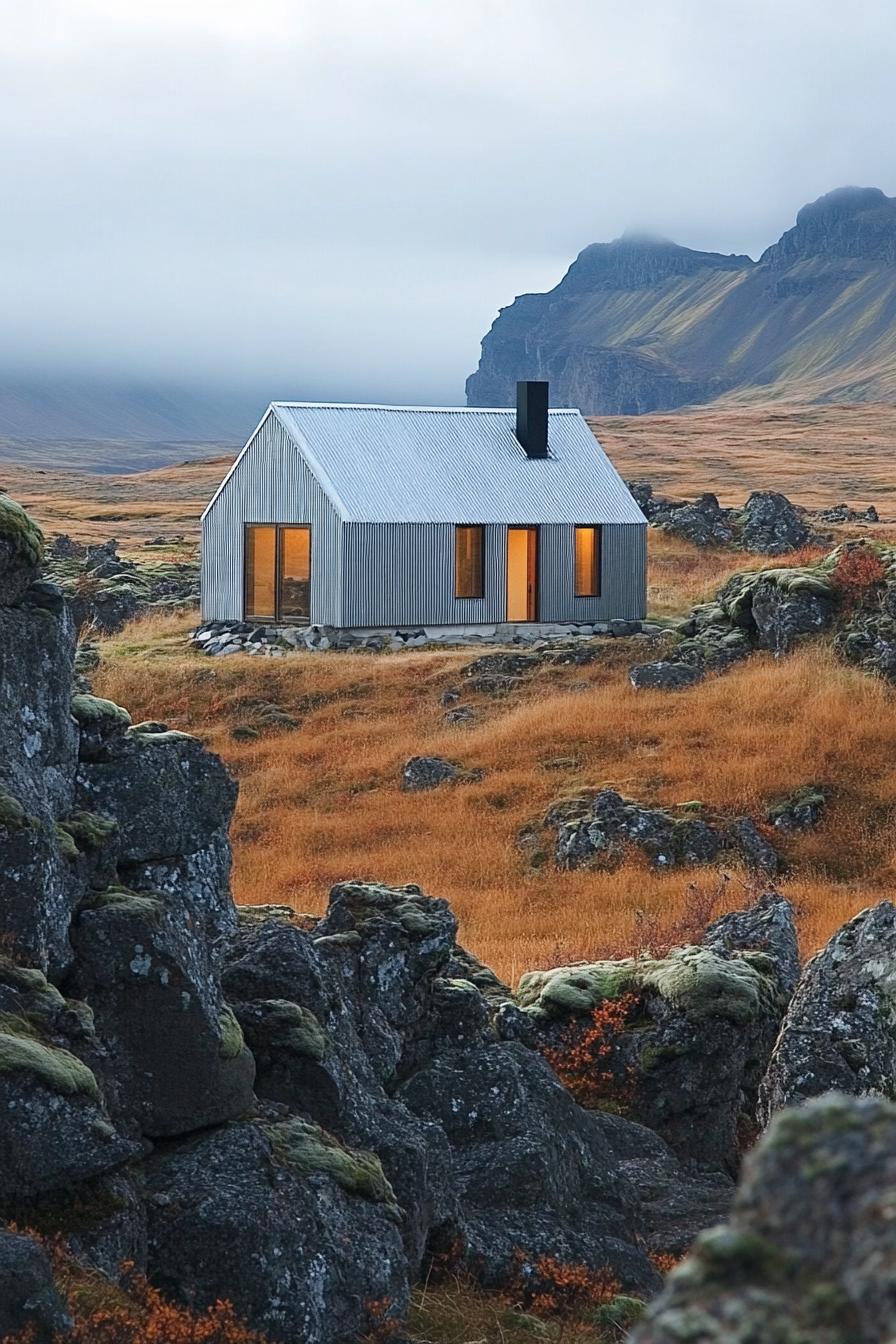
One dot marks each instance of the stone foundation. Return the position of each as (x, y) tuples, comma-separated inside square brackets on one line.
[(224, 637)]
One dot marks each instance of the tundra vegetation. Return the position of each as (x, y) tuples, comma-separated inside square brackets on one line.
[(654, 1016)]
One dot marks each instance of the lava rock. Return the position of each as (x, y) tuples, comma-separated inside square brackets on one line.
[(808, 1250), (428, 772), (838, 1034), (298, 1233), (30, 1306), (770, 525), (21, 551), (666, 675)]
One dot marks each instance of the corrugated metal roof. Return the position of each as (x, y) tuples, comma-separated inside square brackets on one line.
[(406, 464)]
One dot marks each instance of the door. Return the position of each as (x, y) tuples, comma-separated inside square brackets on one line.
[(522, 573), (278, 573)]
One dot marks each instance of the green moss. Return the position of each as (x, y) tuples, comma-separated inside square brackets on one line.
[(13, 816), (146, 905), (21, 1051), (88, 830), (231, 1034), (726, 1256), (17, 527), (405, 905), (93, 712), (294, 1028), (305, 1149), (66, 844), (144, 734), (694, 980), (351, 938), (620, 1314)]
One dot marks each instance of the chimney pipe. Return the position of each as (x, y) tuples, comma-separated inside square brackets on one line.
[(532, 418)]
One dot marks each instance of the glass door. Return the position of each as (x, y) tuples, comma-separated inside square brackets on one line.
[(522, 574), (278, 573), (261, 573), (295, 574)]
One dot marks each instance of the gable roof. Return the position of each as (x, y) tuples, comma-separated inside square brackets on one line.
[(407, 464)]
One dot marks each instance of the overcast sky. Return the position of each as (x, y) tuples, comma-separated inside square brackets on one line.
[(332, 198)]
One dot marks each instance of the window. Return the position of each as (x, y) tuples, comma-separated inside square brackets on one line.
[(278, 573), (587, 562), (469, 574)]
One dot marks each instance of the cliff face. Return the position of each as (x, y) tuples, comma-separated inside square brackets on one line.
[(641, 324)]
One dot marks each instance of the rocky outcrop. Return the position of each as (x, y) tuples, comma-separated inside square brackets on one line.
[(808, 1251), (641, 324), (839, 1032), (768, 524), (678, 1043), (851, 591), (106, 591), (595, 831)]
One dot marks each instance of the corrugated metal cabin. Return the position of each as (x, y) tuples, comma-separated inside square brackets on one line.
[(396, 517)]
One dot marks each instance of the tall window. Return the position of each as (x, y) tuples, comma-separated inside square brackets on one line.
[(469, 552), (587, 562), (278, 573)]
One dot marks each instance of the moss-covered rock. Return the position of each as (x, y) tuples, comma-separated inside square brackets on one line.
[(101, 722), (21, 551), (693, 980), (807, 1253), (21, 1051), (308, 1150)]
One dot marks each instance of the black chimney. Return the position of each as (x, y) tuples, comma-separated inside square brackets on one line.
[(532, 418)]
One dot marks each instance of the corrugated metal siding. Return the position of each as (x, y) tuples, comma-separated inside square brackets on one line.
[(384, 464), (402, 574), (623, 575), (270, 483)]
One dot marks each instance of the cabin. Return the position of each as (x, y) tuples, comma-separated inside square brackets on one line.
[(378, 518)]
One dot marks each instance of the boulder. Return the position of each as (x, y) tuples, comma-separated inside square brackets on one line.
[(174, 1059), (21, 551), (752, 846), (30, 1306), (678, 1043), (169, 796), (56, 1131), (428, 772), (809, 1248), (770, 525), (766, 926), (300, 1234), (325, 1051), (799, 811), (839, 1034), (783, 614), (704, 523), (533, 1171), (665, 675)]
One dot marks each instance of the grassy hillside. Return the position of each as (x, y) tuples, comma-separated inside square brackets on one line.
[(321, 801)]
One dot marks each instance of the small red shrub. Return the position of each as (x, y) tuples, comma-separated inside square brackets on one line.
[(587, 1059), (549, 1287), (858, 572)]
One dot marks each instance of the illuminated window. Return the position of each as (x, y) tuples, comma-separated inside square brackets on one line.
[(278, 573), (469, 575), (587, 562)]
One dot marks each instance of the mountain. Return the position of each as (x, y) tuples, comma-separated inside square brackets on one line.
[(89, 409), (642, 324)]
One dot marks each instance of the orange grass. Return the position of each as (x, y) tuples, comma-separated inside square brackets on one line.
[(323, 803)]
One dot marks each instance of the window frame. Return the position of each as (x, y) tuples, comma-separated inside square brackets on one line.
[(597, 576), (279, 529), (470, 597)]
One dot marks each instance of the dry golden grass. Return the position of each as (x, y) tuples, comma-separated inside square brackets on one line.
[(323, 803), (817, 455)]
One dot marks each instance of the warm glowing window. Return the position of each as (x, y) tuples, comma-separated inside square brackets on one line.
[(469, 577), (261, 572), (587, 562), (278, 573)]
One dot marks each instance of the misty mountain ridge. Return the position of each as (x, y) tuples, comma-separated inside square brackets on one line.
[(643, 324)]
